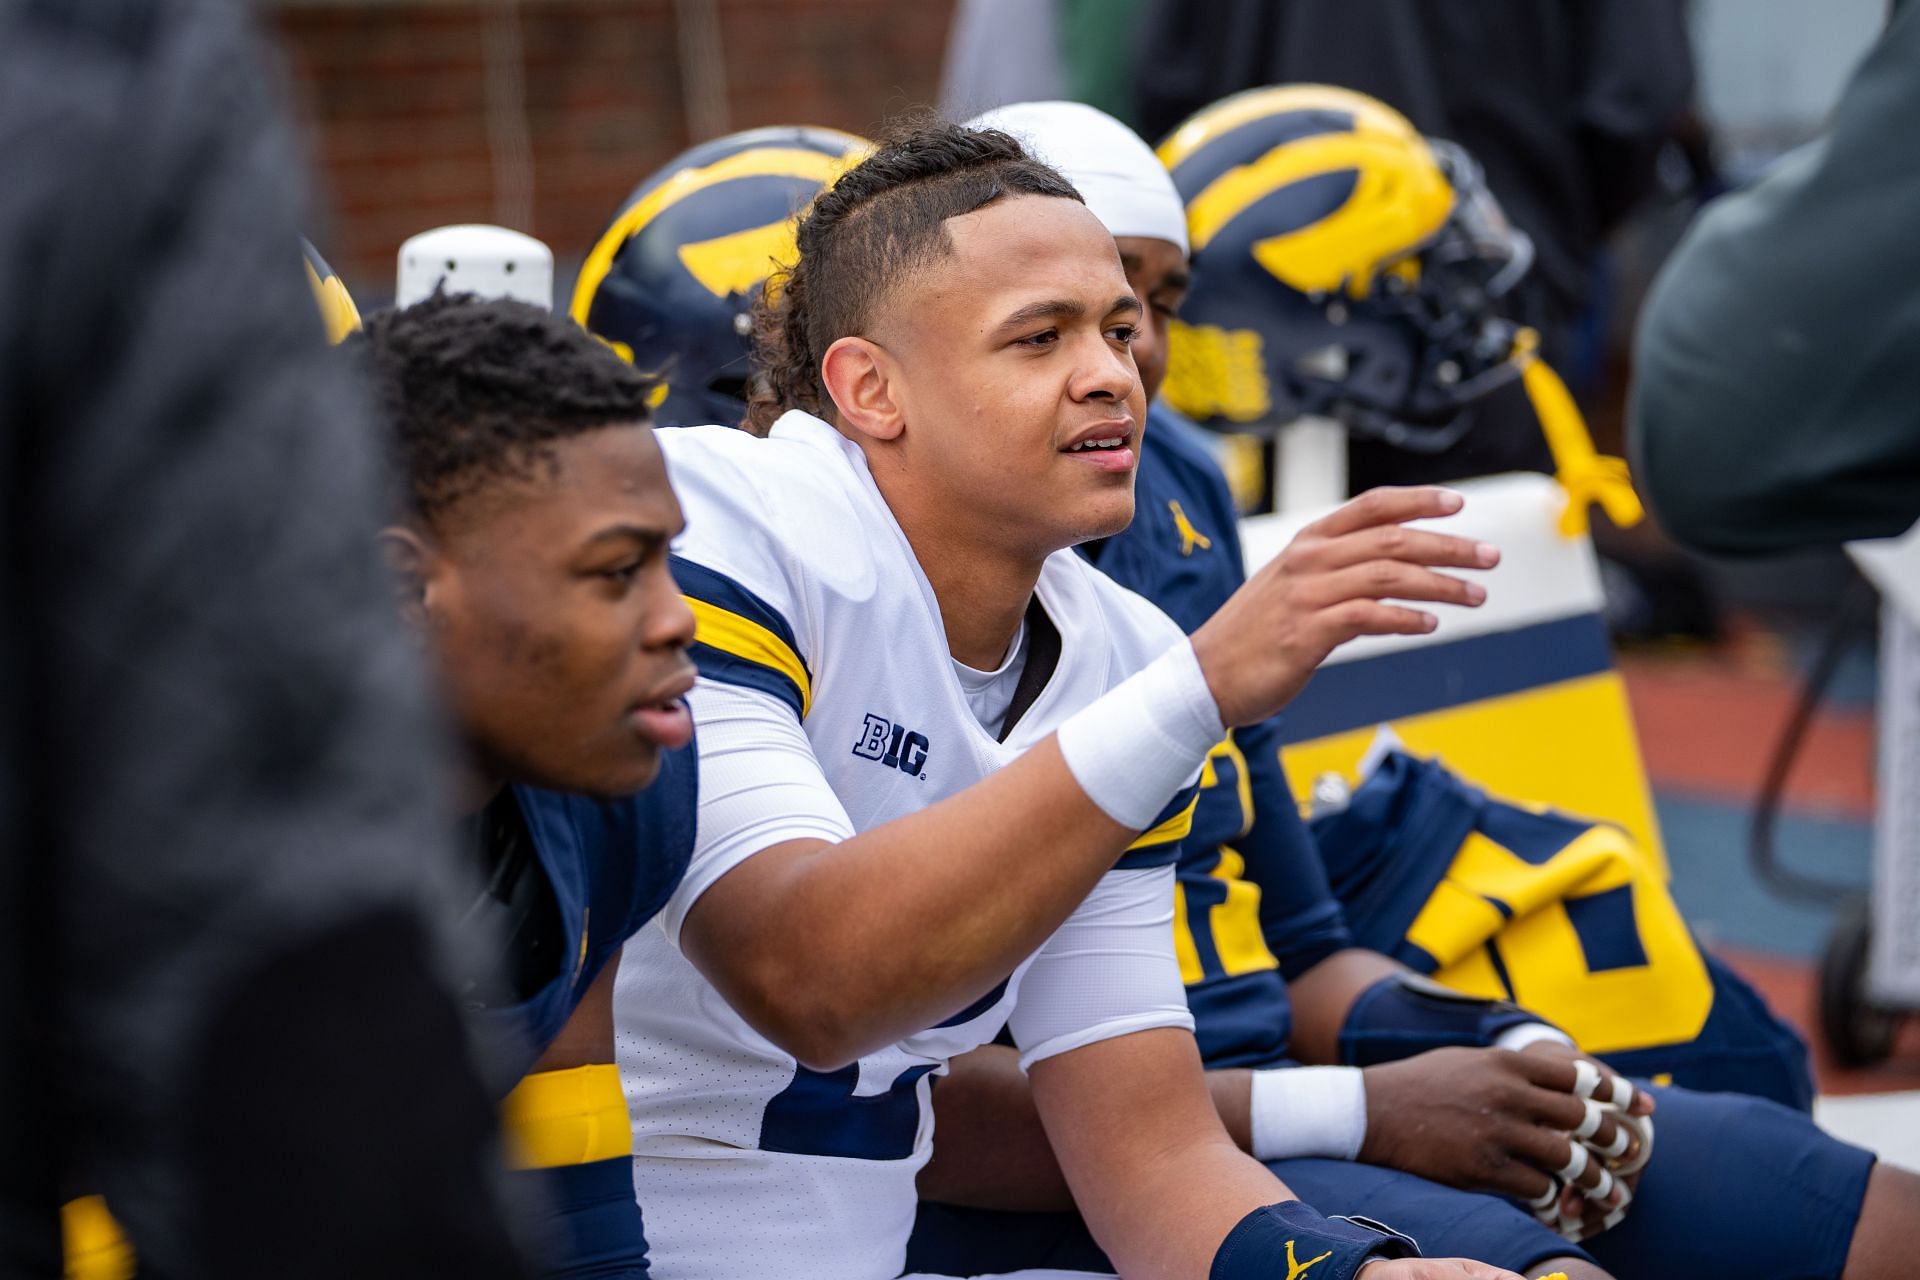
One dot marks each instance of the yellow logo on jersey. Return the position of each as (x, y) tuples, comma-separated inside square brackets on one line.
[(1190, 537), (1217, 373), (1297, 1269)]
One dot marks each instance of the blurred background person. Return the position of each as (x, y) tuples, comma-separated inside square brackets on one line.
[(1566, 107), (1776, 401), (223, 780)]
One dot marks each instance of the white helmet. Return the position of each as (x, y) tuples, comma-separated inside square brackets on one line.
[(492, 262)]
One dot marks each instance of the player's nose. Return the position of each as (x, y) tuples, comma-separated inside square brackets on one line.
[(1106, 373)]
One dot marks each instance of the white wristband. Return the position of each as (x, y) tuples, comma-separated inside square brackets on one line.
[(1308, 1111), (1518, 1038), (1134, 747)]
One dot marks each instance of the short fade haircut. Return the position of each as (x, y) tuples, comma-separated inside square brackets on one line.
[(882, 220), (477, 389)]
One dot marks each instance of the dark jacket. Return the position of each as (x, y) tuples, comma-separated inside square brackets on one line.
[(1565, 104), (1776, 401), (216, 754)]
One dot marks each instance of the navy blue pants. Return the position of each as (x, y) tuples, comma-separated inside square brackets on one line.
[(1737, 1186)]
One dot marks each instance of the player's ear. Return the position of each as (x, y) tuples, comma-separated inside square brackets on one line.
[(859, 375), (415, 563)]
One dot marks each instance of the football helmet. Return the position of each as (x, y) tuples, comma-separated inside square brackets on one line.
[(1343, 265), (1347, 267), (671, 283)]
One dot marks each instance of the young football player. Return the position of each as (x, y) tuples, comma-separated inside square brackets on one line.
[(532, 556), (945, 768), (1472, 1118)]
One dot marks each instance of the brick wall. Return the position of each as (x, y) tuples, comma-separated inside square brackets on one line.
[(396, 97)]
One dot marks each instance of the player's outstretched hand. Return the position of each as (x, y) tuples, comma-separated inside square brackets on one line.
[(1331, 584), (1434, 1269), (1491, 1120)]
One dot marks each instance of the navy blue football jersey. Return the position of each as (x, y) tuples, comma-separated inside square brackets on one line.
[(612, 865), (1253, 904), (1423, 867)]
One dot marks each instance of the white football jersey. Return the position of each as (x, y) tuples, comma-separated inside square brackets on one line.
[(820, 642)]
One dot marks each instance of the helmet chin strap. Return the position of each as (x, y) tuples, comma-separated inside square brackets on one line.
[(1587, 475)]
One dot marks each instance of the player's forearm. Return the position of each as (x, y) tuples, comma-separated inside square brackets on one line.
[(993, 1152), (947, 901), (1158, 1178), (1171, 1224)]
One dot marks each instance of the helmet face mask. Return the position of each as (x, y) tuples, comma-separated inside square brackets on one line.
[(1356, 274), (672, 282)]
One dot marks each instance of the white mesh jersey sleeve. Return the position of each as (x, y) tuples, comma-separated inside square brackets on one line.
[(760, 785), (1108, 971), (746, 577)]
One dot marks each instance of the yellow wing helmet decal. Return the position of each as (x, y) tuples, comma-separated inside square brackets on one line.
[(1400, 198), (1589, 476), (735, 263), (1399, 201), (730, 258), (1223, 117), (337, 311)]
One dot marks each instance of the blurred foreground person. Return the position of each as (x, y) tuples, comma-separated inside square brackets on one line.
[(218, 765), (1776, 399)]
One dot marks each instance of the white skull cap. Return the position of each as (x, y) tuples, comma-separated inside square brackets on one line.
[(1123, 182)]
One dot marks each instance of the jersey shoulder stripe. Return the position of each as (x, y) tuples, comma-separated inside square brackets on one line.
[(1159, 845), (740, 639)]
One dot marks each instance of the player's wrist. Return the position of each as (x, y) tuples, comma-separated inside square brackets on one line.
[(1521, 1035), (1276, 1239), (1405, 1014), (1134, 747), (1307, 1111), (1213, 667)]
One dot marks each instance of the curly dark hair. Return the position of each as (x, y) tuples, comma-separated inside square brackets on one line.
[(885, 218), (478, 389)]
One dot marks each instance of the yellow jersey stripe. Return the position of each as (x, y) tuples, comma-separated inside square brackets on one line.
[(1174, 828), (744, 638)]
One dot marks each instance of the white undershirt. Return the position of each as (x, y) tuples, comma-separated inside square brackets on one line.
[(990, 693)]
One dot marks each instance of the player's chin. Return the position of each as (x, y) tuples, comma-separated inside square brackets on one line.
[(1105, 513), (635, 772), (619, 768)]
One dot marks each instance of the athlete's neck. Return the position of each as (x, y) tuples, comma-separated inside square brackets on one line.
[(980, 605), (983, 586)]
